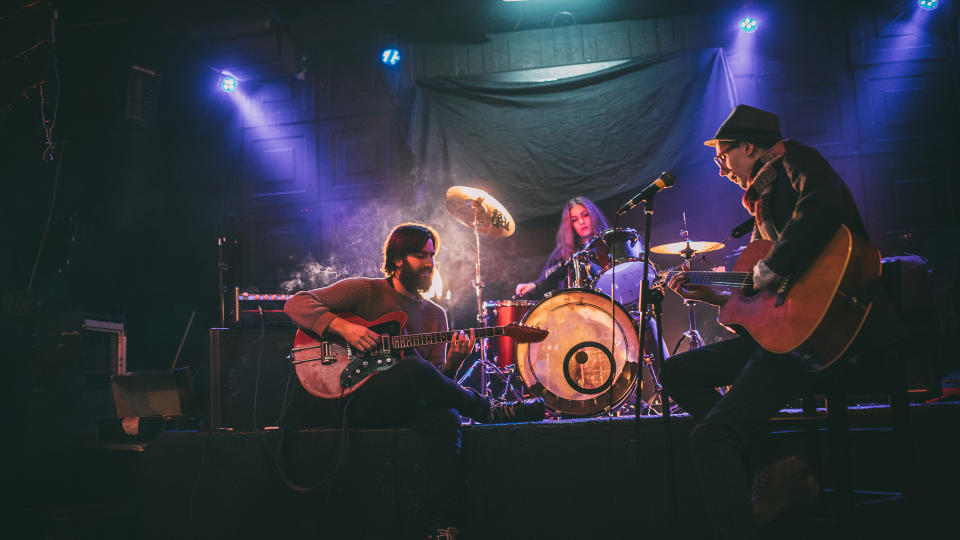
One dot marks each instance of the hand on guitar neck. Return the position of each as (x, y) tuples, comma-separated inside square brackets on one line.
[(680, 284), (359, 337)]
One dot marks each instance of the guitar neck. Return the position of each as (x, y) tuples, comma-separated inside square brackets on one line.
[(407, 341), (736, 280)]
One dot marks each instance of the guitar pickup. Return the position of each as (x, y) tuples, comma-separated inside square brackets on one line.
[(327, 357)]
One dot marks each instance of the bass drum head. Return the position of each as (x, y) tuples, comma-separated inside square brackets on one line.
[(582, 368)]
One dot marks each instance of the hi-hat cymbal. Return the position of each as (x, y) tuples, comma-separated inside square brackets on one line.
[(685, 248), (492, 218)]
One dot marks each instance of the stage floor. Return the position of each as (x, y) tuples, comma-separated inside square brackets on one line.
[(585, 478)]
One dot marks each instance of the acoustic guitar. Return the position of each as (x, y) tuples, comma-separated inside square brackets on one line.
[(330, 368), (817, 315)]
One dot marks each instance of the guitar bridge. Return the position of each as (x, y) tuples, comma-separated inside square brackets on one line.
[(782, 291)]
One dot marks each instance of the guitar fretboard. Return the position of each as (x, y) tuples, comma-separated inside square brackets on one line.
[(736, 280), (433, 338)]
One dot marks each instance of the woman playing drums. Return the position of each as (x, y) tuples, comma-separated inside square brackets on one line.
[(602, 370), (579, 222)]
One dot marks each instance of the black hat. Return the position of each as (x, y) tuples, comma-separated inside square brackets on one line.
[(746, 122)]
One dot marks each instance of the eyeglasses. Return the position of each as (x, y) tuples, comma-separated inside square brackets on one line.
[(721, 160)]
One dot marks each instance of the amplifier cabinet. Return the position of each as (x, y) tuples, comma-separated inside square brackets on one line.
[(248, 374)]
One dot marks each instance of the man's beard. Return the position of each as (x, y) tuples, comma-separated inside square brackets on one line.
[(415, 281)]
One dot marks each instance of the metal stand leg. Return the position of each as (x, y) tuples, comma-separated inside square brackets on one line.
[(487, 368)]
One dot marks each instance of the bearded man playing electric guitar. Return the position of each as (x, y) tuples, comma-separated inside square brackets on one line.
[(420, 390), (803, 210)]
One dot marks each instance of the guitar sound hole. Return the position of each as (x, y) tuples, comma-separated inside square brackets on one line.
[(749, 291)]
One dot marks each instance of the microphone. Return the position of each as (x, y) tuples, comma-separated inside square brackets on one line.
[(665, 180)]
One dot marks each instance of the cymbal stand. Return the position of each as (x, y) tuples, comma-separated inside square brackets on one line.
[(487, 368), (694, 340)]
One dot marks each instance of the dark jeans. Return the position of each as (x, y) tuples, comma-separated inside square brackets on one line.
[(728, 424), (414, 394)]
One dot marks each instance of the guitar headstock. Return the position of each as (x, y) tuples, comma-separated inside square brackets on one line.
[(525, 334)]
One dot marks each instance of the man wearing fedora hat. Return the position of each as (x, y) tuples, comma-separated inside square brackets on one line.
[(798, 202)]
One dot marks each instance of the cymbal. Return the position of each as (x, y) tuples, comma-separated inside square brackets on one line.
[(683, 248), (492, 219)]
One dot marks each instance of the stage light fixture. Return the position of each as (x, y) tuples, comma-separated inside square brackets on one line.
[(390, 57), (748, 25), (928, 5), (228, 83)]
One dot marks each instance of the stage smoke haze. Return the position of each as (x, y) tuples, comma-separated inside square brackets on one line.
[(353, 233), (313, 275)]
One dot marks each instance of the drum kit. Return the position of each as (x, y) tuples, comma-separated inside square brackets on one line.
[(590, 363)]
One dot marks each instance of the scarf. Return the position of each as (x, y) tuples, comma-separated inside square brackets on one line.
[(758, 198)]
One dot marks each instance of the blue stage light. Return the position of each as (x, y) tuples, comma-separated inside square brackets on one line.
[(929, 5), (390, 57), (228, 83), (748, 25)]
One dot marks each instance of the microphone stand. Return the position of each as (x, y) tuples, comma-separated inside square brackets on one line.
[(654, 299)]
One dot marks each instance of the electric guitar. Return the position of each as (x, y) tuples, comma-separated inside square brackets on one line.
[(330, 368), (817, 315)]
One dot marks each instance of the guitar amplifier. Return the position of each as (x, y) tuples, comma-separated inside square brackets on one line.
[(251, 308), (248, 374)]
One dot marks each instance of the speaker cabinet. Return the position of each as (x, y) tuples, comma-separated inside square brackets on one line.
[(248, 374)]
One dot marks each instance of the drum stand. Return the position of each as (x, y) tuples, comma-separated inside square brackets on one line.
[(487, 368)]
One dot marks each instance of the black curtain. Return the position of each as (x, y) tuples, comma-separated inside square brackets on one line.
[(599, 135)]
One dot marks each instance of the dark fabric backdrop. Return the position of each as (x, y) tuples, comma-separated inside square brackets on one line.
[(534, 145)]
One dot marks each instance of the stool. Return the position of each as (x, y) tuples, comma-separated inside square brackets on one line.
[(875, 372)]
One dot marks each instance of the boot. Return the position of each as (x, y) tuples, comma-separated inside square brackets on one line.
[(528, 410)]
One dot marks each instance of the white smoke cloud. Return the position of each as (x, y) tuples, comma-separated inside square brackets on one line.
[(311, 274)]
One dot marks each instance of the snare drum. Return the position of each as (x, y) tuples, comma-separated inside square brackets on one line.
[(588, 363), (502, 313)]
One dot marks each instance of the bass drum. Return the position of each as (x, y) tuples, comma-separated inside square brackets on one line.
[(576, 370)]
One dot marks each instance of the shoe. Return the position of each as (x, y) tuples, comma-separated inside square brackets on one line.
[(528, 410), (443, 533), (781, 484)]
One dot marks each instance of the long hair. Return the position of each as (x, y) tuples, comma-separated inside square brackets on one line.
[(567, 240), (406, 238)]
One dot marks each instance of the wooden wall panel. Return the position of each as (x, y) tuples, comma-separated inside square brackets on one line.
[(815, 108), (643, 38), (275, 240), (894, 30), (909, 194), (533, 49), (282, 101), (279, 165), (567, 45), (356, 155), (355, 82), (905, 105), (530, 50), (607, 42)]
